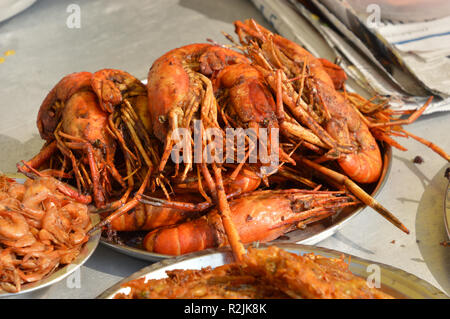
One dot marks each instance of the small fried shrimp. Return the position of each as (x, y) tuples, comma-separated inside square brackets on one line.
[(67, 256), (24, 241), (52, 223), (41, 228), (78, 236), (78, 213), (17, 191), (13, 225), (35, 247)]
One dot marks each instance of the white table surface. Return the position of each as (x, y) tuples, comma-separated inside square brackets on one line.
[(130, 35)]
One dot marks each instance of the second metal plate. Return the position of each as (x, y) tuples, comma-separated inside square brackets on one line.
[(393, 281), (86, 252)]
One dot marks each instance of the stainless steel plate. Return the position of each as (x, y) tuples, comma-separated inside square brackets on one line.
[(135, 252), (313, 234), (395, 282), (63, 272), (9, 8)]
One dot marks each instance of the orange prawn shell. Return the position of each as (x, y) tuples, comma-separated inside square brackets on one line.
[(169, 84), (47, 120), (345, 125), (246, 181), (255, 220), (261, 216), (248, 93), (83, 117)]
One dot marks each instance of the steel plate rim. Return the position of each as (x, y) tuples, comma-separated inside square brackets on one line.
[(330, 231), (86, 252), (314, 239), (20, 6), (134, 252), (431, 290), (447, 210)]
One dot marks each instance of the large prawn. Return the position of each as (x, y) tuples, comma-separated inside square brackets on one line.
[(345, 133), (179, 92), (246, 102), (258, 216), (87, 117)]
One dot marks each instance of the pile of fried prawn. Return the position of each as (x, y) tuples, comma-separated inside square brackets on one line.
[(264, 273), (115, 140), (41, 229)]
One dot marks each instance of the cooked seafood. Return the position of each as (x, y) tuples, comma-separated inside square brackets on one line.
[(258, 217), (345, 133), (154, 212), (224, 282), (310, 91), (117, 141), (86, 118), (309, 276), (41, 228), (263, 273), (180, 92)]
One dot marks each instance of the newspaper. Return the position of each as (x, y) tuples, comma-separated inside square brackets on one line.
[(407, 42), (424, 47), (369, 76), (419, 37)]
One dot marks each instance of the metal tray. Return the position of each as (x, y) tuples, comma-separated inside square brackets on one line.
[(311, 235), (395, 282), (86, 252)]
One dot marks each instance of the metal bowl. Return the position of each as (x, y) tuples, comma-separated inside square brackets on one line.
[(393, 281), (29, 290), (311, 235)]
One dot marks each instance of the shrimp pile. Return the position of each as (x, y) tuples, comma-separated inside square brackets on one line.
[(41, 228), (264, 273), (300, 149)]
